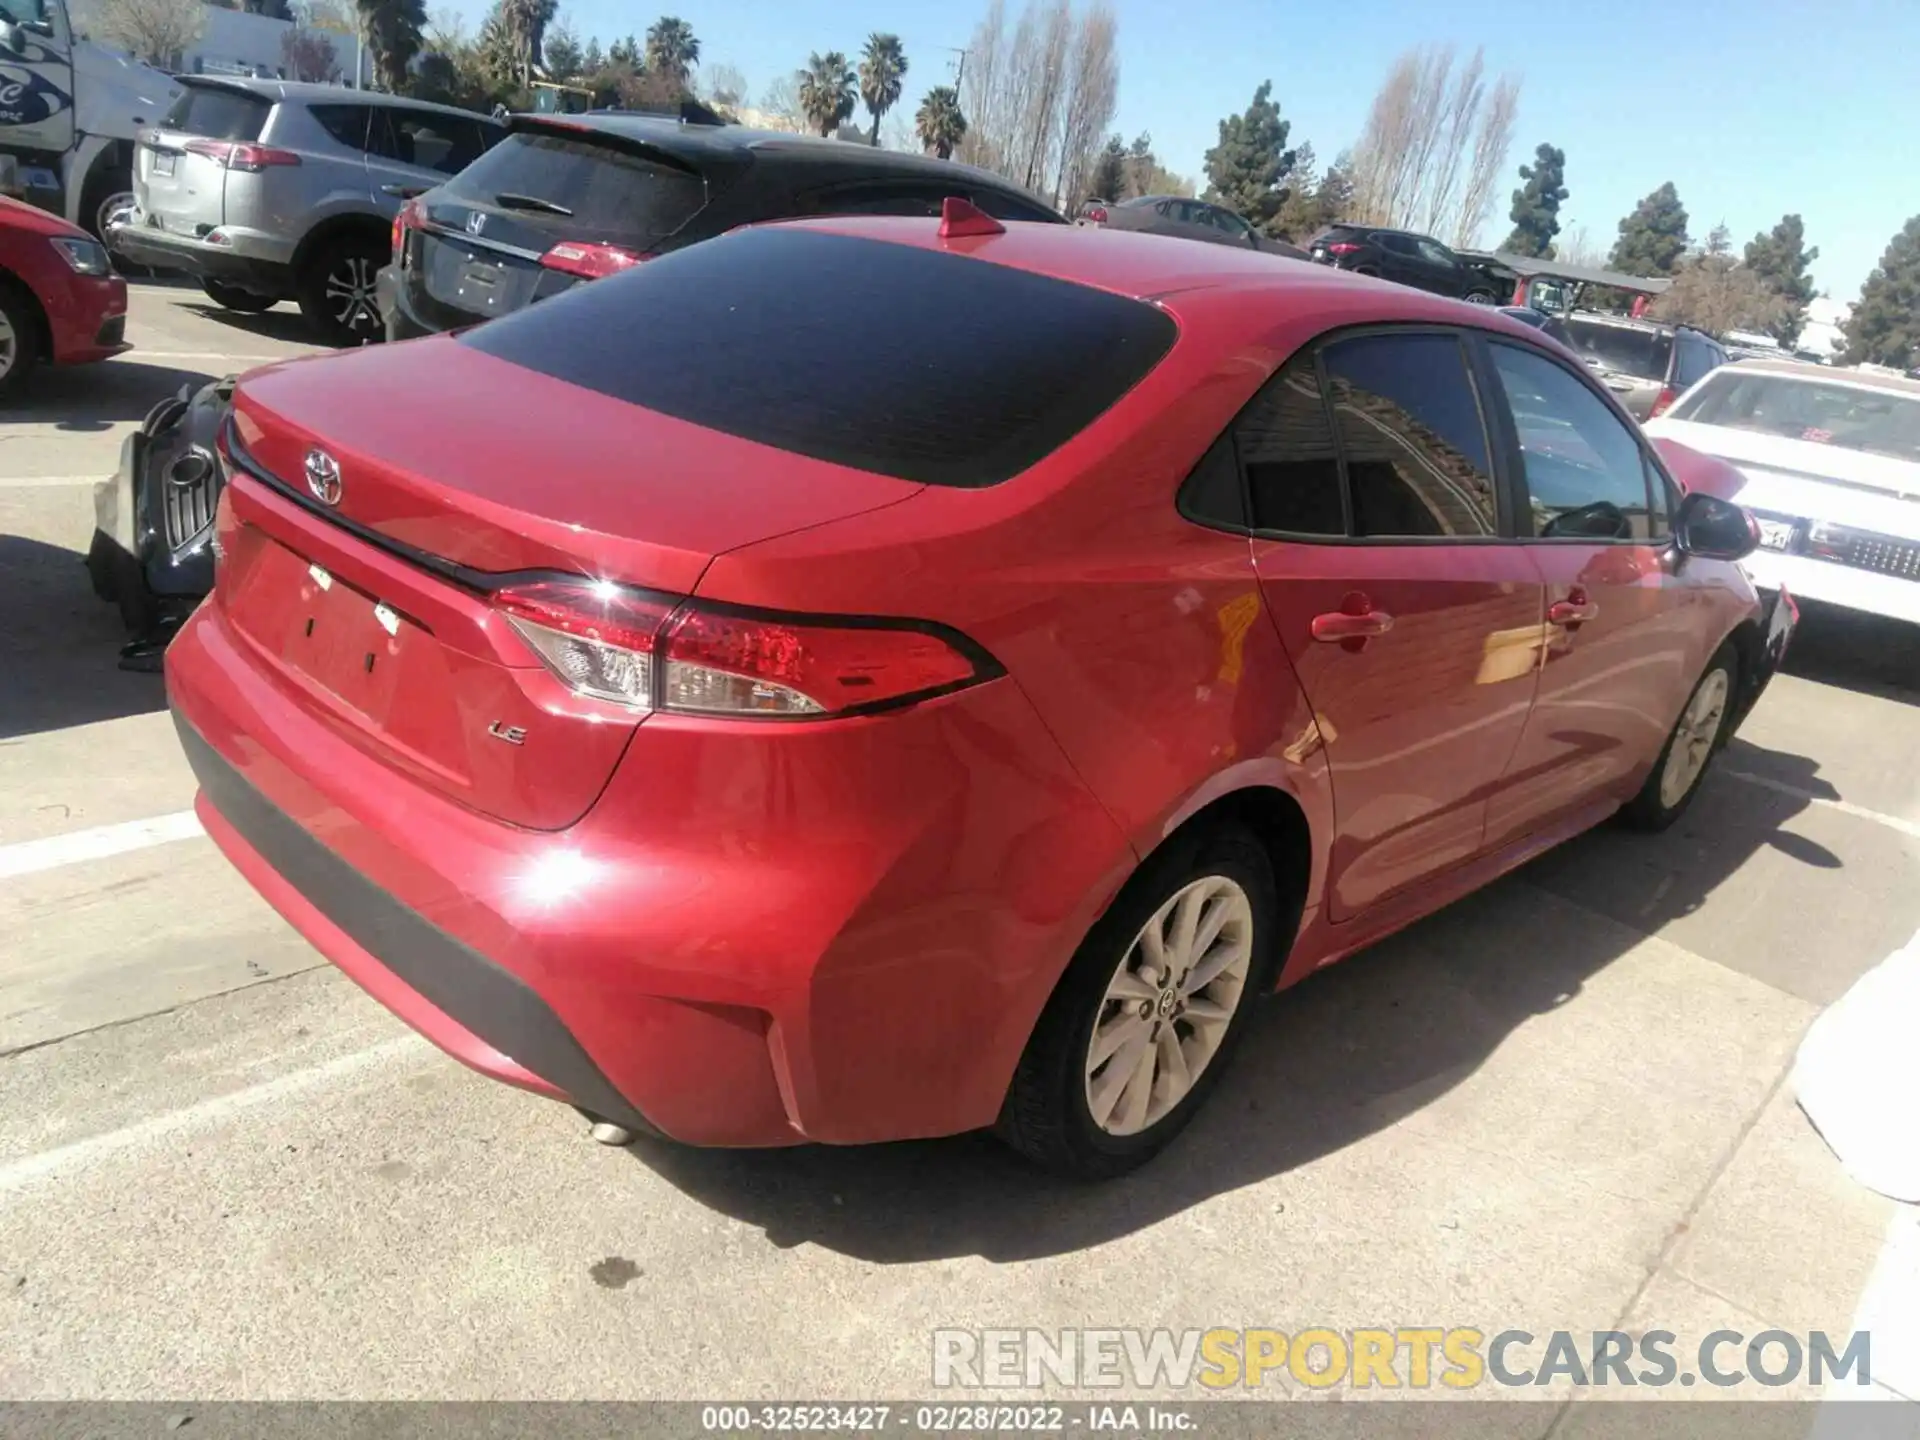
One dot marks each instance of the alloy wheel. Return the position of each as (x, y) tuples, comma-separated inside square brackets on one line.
[(350, 294), (1167, 1008), (1694, 737), (9, 346)]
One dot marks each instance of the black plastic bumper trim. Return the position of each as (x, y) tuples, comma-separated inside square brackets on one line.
[(494, 1005)]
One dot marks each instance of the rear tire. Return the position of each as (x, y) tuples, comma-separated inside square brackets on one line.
[(335, 289), (1688, 754), (1479, 297), (244, 302), (1104, 1086), (20, 338)]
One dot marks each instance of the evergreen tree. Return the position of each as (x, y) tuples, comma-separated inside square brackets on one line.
[(1110, 171), (564, 58), (1719, 241), (593, 59), (1780, 258), (1536, 205), (1653, 239), (1245, 170), (1884, 328)]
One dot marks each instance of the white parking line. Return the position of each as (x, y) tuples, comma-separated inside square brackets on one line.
[(28, 857), (1845, 807), (80, 1152), (29, 481)]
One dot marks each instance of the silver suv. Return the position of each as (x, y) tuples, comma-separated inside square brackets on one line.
[(268, 190)]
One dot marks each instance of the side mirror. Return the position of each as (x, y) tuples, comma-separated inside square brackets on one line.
[(1714, 529)]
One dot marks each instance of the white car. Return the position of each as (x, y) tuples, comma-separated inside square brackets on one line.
[(1832, 466)]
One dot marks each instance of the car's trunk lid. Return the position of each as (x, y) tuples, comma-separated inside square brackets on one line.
[(180, 187), (374, 609)]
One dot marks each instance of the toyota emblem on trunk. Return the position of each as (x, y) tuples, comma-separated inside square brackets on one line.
[(323, 477)]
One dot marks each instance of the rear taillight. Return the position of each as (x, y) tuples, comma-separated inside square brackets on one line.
[(590, 262), (659, 652), (1097, 214), (1660, 405), (409, 216), (248, 158), (1343, 247)]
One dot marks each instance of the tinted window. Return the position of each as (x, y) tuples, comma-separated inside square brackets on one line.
[(1694, 360), (345, 123), (1398, 244), (1434, 251), (1212, 492), (923, 200), (1011, 207), (426, 139), (908, 362), (218, 113), (1586, 476), (1623, 349), (1286, 445), (1660, 489), (1412, 437), (616, 196)]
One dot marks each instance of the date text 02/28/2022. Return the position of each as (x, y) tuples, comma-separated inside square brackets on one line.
[(966, 1419)]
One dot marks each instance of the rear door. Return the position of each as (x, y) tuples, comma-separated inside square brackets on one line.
[(1620, 643), (1413, 624), (479, 253), (178, 177)]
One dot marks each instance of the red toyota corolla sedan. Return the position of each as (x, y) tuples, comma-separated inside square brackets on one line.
[(60, 302), (876, 678)]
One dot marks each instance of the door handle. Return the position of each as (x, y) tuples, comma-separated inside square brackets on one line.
[(1574, 610), (1349, 628)]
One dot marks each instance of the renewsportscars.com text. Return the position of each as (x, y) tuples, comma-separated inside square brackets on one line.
[(1414, 1357)]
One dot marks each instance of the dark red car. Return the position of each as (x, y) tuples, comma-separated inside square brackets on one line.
[(858, 679), (60, 302)]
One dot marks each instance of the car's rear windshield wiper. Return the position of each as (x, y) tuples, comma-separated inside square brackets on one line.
[(511, 201)]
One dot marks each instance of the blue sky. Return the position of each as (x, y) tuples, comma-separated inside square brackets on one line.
[(1753, 108)]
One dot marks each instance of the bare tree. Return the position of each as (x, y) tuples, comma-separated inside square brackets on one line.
[(1038, 100), (981, 83), (1575, 247), (1434, 143), (157, 31), (1717, 294), (308, 54), (1093, 92), (1490, 148)]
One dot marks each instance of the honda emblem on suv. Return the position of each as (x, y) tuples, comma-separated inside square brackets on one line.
[(476, 222), (323, 477)]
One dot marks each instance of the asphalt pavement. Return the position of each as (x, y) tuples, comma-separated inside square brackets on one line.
[(1560, 1104)]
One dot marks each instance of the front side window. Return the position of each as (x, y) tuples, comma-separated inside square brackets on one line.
[(1585, 473), (1411, 433)]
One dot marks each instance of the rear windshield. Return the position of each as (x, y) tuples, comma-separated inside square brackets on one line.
[(913, 363), (616, 196), (218, 113), (1849, 417), (1623, 349)]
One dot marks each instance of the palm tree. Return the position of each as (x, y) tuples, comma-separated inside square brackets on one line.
[(827, 94), (941, 125), (392, 30), (882, 67), (671, 49)]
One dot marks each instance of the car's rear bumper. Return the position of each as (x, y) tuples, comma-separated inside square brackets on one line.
[(238, 266), (399, 321), (1867, 591), (843, 935)]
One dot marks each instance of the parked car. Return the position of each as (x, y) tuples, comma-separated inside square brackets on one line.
[(271, 190), (1409, 259), (60, 302), (1540, 320), (1831, 467), (567, 199), (751, 747), (1187, 219), (1645, 363)]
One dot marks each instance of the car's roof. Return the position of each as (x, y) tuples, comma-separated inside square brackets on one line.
[(697, 142), (1144, 266), (1830, 375), (312, 92)]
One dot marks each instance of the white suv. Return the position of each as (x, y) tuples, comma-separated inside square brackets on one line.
[(268, 190), (1832, 465)]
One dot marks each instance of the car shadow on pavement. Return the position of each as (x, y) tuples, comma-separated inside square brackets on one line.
[(1866, 653), (88, 399), (1347, 1053), (282, 323), (60, 646)]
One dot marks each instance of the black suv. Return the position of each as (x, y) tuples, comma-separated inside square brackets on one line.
[(1417, 260), (565, 199)]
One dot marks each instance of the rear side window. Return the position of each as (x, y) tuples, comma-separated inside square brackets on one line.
[(218, 113), (1011, 207), (1411, 433), (347, 124), (1623, 349), (1286, 445), (426, 138), (616, 196), (930, 367)]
